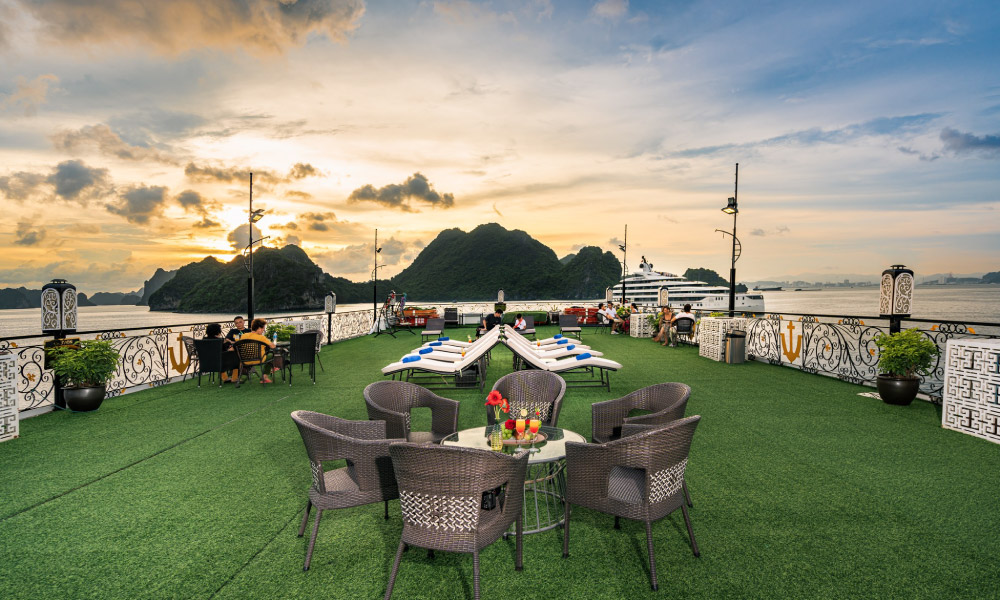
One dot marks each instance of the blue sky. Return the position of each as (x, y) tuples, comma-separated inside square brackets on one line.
[(867, 134)]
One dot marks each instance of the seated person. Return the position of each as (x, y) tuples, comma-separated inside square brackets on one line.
[(230, 364), (257, 327), (685, 314), (519, 323), (239, 328), (666, 321), (490, 322), (609, 314)]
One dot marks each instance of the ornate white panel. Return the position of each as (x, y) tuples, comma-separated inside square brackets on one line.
[(712, 335), (9, 413), (903, 295), (69, 309), (638, 326), (885, 295), (50, 309), (972, 388)]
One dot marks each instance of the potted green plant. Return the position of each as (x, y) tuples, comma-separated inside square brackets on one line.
[(85, 370), (902, 356), (284, 331)]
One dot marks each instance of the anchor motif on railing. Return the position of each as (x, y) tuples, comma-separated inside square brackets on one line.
[(790, 354), (180, 366)]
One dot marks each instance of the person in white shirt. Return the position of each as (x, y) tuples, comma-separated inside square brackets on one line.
[(611, 316), (519, 323), (685, 314)]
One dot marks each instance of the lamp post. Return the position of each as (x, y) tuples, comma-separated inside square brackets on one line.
[(255, 215), (624, 249), (731, 209), (375, 284)]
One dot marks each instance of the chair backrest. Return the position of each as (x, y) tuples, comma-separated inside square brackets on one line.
[(391, 401), (435, 324), (529, 323), (684, 325), (569, 321), (250, 351), (331, 438), (319, 338), (302, 348), (451, 314), (601, 319), (532, 390), (441, 491), (663, 453), (666, 401), (209, 354)]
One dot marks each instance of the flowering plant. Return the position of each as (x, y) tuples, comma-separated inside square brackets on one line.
[(509, 424), (499, 404)]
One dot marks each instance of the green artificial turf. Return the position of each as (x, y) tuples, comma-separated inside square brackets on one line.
[(802, 489)]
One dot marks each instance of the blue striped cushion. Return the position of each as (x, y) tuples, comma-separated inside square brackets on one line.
[(583, 356), (571, 346), (557, 336), (562, 342), (434, 344), (444, 338), (426, 350), (409, 359)]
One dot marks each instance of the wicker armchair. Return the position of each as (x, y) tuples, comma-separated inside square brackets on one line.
[(254, 355), (665, 401), (443, 492), (391, 401), (638, 477), (531, 390), (367, 478), (302, 351)]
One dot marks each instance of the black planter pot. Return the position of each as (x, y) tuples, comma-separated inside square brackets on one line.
[(84, 399), (897, 390)]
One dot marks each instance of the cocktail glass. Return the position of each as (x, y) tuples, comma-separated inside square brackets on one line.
[(519, 427)]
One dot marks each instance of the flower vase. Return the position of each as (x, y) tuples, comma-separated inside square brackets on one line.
[(496, 437)]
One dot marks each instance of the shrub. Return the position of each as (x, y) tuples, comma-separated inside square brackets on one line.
[(905, 354), (91, 364)]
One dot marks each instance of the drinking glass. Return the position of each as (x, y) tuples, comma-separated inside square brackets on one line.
[(519, 426), (534, 424)]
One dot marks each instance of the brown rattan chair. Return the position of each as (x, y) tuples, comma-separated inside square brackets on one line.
[(531, 390), (637, 477), (443, 495), (391, 401), (319, 346), (665, 402), (253, 356), (368, 477), (192, 352)]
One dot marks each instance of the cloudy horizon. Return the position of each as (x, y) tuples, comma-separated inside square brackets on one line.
[(866, 134)]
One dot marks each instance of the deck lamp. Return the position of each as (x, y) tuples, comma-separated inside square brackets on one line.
[(896, 295), (254, 216), (58, 308), (732, 209)]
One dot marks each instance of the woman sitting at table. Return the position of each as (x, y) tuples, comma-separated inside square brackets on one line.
[(666, 316), (230, 364), (257, 327)]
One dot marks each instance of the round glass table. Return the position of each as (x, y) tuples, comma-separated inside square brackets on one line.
[(545, 481)]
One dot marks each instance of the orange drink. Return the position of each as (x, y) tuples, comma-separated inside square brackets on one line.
[(519, 427), (534, 424)]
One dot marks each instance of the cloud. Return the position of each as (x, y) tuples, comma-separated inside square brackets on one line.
[(29, 95), (779, 230), (967, 143), (20, 185), (28, 235), (138, 204), (73, 180), (416, 187), (206, 223), (293, 239), (192, 201), (298, 195), (108, 143), (229, 174), (918, 154), (177, 26), (616, 242), (358, 259), (611, 10), (323, 222), (238, 238), (303, 170)]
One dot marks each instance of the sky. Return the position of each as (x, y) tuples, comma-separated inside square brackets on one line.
[(867, 133)]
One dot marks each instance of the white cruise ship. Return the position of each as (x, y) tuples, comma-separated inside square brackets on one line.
[(643, 288)]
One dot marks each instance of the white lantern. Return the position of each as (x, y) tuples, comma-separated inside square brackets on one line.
[(330, 305), (663, 296), (58, 307), (897, 291), (609, 295), (500, 296)]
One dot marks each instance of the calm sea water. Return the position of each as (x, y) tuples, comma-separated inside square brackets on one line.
[(977, 303)]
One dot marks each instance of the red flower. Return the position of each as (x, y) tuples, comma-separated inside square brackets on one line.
[(505, 406), (494, 398), (509, 424)]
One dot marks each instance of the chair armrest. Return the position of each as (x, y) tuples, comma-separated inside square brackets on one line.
[(396, 423), (444, 414), (371, 465), (587, 470), (361, 430), (608, 416)]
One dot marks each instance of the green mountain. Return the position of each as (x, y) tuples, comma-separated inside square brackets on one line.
[(284, 279), (474, 265), (712, 278), (154, 283)]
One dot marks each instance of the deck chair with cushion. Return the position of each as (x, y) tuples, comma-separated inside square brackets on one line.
[(442, 495), (569, 325), (638, 477), (434, 327), (392, 401), (585, 363), (368, 477)]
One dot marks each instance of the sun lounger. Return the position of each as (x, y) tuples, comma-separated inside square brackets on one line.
[(427, 370), (585, 362)]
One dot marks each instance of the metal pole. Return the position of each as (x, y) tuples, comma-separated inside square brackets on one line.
[(250, 277), (375, 284), (732, 269), (624, 263)]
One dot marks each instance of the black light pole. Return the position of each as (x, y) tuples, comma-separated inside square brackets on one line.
[(624, 249), (255, 215), (732, 209), (375, 284)]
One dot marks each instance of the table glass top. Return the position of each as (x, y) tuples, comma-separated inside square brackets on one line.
[(553, 448)]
